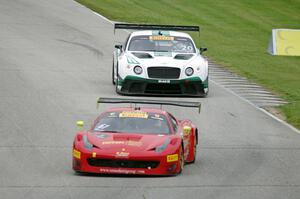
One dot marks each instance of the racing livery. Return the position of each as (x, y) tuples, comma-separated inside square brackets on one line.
[(135, 140), (159, 61)]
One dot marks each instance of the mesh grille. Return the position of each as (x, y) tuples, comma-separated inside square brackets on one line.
[(164, 72)]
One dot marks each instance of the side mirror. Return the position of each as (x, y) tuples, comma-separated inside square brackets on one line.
[(118, 46), (80, 123), (202, 50), (186, 130)]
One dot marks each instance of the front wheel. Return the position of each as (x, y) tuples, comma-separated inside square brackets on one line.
[(194, 149), (181, 159), (113, 73), (205, 91)]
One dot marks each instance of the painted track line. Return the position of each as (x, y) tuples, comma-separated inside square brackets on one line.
[(258, 108)]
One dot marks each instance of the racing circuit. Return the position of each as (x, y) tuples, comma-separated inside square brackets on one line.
[(55, 61)]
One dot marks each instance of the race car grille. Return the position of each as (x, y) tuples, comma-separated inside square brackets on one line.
[(122, 163), (163, 72)]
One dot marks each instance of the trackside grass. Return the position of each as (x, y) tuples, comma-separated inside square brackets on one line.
[(236, 32)]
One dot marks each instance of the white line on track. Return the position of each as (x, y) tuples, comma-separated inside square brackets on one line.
[(258, 108)]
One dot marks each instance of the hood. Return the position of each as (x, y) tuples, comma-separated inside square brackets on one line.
[(162, 58), (131, 142)]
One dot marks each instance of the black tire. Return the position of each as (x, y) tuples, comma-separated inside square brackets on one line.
[(205, 94), (195, 149), (181, 160), (116, 82), (113, 73)]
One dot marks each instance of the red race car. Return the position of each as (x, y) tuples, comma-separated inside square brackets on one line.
[(136, 140)]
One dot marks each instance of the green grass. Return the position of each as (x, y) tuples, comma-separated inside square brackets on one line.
[(236, 32)]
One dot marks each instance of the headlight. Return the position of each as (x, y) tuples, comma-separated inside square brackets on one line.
[(189, 71), (86, 143), (162, 147), (138, 70)]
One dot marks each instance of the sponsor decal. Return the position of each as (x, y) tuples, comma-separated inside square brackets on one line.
[(123, 171), (129, 143), (163, 54), (172, 158), (76, 154), (122, 154), (113, 142), (134, 114), (133, 143), (161, 38), (164, 81)]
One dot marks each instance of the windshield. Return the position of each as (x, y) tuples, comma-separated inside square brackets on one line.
[(133, 122), (159, 43)]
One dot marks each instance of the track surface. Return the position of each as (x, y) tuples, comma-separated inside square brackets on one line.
[(55, 60)]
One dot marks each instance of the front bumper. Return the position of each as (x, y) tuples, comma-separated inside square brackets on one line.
[(132, 85), (135, 165)]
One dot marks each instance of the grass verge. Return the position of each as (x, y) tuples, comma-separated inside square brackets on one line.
[(236, 33)]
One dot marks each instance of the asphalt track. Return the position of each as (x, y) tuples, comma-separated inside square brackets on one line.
[(55, 60)]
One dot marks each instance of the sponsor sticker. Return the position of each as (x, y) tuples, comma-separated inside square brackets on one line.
[(161, 38), (164, 81), (133, 114), (133, 143), (122, 154), (129, 143), (123, 171), (172, 158), (113, 142), (76, 154)]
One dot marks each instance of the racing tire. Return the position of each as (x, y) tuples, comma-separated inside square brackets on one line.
[(113, 73), (194, 150), (206, 93), (181, 163), (116, 83)]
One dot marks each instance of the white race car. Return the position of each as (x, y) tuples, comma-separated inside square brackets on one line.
[(158, 60)]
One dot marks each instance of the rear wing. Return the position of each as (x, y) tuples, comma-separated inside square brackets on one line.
[(155, 27), (146, 101)]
